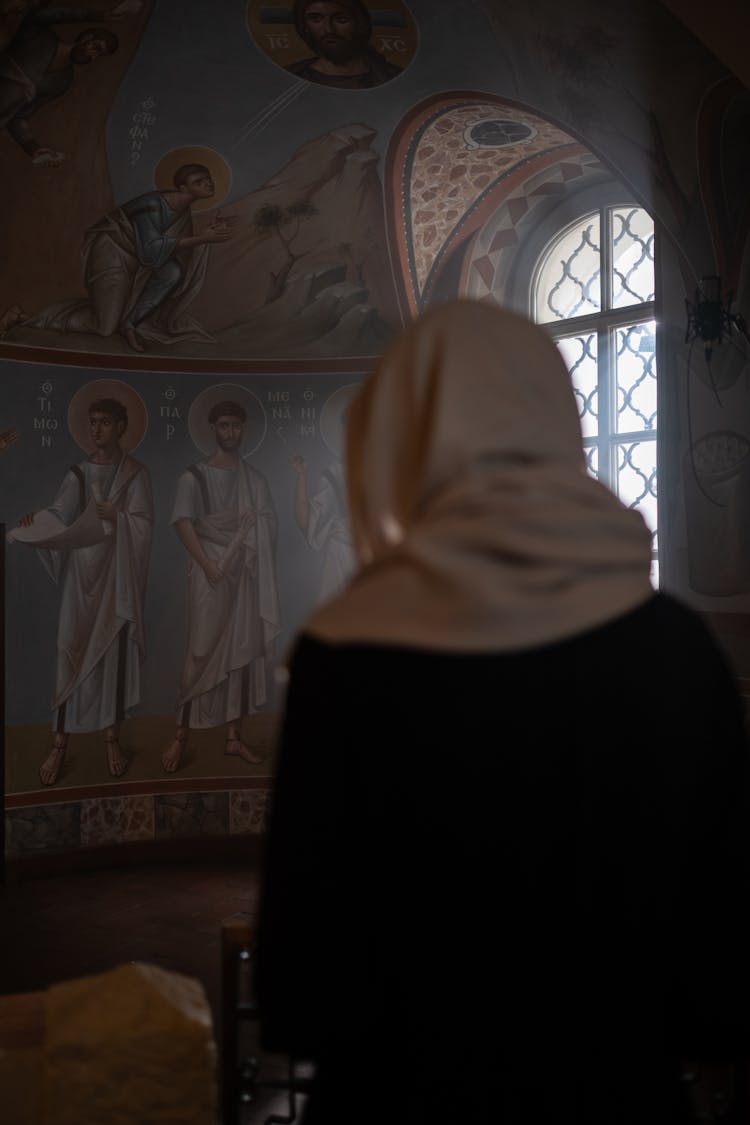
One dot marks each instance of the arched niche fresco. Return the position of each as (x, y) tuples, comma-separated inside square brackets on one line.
[(455, 161)]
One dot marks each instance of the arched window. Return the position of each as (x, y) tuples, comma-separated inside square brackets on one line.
[(593, 289)]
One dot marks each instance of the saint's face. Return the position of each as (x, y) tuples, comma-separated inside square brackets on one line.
[(200, 185), (105, 432), (229, 432), (332, 32)]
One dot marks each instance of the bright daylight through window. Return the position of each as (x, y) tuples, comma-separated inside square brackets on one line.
[(594, 292)]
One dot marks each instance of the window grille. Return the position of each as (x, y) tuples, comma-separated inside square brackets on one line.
[(593, 290)]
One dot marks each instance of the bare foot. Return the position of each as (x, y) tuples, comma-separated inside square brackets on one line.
[(132, 337), (237, 748), (12, 317), (172, 757), (116, 760), (49, 771)]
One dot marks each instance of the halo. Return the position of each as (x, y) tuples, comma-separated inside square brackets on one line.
[(273, 31), (78, 412), (332, 417), (200, 430), (221, 173)]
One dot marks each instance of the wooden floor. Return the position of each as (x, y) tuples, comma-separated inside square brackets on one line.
[(58, 927)]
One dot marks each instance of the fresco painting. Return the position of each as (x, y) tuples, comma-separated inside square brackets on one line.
[(342, 44), (210, 234), (225, 518), (321, 513), (170, 582), (94, 540), (40, 64), (297, 268)]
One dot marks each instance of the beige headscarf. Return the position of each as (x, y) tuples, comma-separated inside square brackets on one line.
[(475, 523)]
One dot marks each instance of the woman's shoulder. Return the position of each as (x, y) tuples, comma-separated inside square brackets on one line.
[(666, 617), (661, 623)]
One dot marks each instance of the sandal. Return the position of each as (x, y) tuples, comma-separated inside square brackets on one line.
[(49, 771), (116, 760)]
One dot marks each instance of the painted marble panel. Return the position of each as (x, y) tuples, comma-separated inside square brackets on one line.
[(116, 820), (248, 810), (192, 814)]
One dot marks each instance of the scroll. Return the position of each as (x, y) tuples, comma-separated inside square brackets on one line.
[(48, 530)]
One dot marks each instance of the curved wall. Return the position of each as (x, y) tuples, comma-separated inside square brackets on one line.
[(342, 199)]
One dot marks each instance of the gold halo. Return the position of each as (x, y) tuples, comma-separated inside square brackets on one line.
[(200, 430), (221, 173), (332, 417), (78, 412)]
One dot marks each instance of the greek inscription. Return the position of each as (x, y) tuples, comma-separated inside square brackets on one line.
[(281, 412), (44, 403), (276, 42), (278, 396), (307, 431), (169, 412), (391, 43), (170, 431), (140, 124), (46, 440), (307, 412), (45, 424)]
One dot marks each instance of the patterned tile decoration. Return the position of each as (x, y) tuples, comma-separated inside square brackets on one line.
[(495, 244), (115, 820), (42, 828), (191, 814), (455, 153), (248, 810), (94, 821)]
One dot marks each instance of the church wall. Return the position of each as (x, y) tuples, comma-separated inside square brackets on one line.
[(309, 274)]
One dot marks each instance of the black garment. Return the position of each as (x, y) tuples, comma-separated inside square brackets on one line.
[(379, 70), (508, 888)]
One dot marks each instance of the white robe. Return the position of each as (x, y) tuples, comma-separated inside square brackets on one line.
[(115, 277), (328, 531), (100, 636), (231, 626)]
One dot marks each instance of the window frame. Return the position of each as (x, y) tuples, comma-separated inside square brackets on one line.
[(604, 323)]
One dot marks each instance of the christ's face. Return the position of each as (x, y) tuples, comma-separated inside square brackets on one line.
[(229, 432), (332, 32), (105, 431)]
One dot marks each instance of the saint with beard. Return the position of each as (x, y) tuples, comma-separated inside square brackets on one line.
[(225, 518), (339, 32), (38, 66)]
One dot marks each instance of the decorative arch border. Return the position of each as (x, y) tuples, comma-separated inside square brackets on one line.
[(493, 247), (530, 175)]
